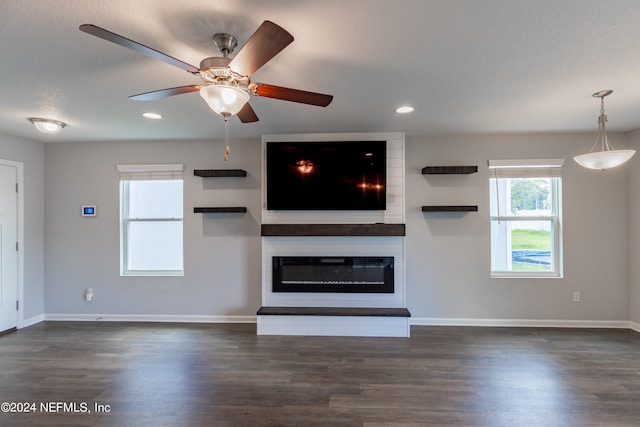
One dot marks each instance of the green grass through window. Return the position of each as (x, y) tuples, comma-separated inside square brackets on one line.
[(531, 239)]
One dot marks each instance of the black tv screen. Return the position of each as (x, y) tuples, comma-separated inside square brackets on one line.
[(337, 175)]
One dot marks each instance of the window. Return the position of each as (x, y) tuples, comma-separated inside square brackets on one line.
[(151, 217), (525, 206)]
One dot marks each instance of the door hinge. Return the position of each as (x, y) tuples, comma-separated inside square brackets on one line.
[(17, 305), (17, 248), (16, 187)]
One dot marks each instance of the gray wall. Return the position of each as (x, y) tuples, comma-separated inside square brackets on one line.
[(448, 259), (447, 255), (222, 251), (31, 154)]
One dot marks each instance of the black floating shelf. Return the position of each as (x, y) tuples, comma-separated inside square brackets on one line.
[(444, 170), (219, 173), (456, 208), (333, 230), (239, 209)]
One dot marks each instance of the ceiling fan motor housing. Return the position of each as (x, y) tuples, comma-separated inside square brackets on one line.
[(216, 70), (216, 66)]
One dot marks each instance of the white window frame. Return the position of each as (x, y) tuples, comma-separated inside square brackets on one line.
[(130, 173), (529, 168)]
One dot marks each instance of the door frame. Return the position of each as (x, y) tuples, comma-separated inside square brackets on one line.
[(20, 218)]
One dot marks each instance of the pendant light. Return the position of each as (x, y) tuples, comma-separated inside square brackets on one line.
[(607, 157)]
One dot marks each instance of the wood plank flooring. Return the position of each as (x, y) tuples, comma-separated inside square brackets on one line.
[(224, 375)]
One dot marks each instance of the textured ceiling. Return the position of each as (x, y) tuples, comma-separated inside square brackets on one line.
[(467, 66)]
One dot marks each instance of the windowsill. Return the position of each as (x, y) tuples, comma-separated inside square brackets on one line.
[(152, 274), (525, 275)]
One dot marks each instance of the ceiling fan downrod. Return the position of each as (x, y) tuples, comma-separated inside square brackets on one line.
[(226, 43)]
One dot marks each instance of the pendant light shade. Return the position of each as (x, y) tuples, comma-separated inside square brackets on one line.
[(607, 157), (604, 159)]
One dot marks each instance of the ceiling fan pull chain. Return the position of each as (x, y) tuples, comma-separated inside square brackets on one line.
[(227, 150)]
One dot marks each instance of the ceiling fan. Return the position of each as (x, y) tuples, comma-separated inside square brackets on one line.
[(227, 82)]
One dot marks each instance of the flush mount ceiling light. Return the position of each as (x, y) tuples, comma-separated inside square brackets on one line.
[(47, 126), (153, 116), (607, 157), (404, 109)]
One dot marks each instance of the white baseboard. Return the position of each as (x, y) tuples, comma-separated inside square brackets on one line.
[(167, 318), (617, 324), (32, 321), (414, 321)]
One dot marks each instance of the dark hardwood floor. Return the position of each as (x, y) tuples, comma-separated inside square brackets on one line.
[(225, 375)]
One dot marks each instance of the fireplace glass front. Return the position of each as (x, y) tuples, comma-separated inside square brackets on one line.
[(333, 274)]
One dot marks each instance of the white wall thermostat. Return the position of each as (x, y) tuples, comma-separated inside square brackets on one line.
[(89, 210)]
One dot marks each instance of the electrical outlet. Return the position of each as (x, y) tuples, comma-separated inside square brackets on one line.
[(88, 294), (576, 296)]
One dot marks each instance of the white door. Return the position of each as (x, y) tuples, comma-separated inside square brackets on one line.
[(8, 247)]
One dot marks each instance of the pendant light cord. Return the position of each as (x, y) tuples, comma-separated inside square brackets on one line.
[(601, 122), (602, 133)]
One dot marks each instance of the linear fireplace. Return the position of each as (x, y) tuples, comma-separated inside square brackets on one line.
[(333, 274)]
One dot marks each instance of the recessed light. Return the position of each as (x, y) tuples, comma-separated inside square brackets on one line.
[(152, 116), (404, 109)]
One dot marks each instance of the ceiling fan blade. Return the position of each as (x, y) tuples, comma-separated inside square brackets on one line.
[(293, 95), (164, 93), (247, 115), (268, 40), (140, 48)]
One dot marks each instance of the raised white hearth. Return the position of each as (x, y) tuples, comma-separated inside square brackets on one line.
[(335, 234), (372, 322)]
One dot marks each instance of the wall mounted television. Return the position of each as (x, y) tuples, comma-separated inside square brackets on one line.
[(335, 175)]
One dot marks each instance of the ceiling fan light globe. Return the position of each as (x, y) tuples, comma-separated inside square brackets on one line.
[(228, 96), (224, 100), (602, 160)]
